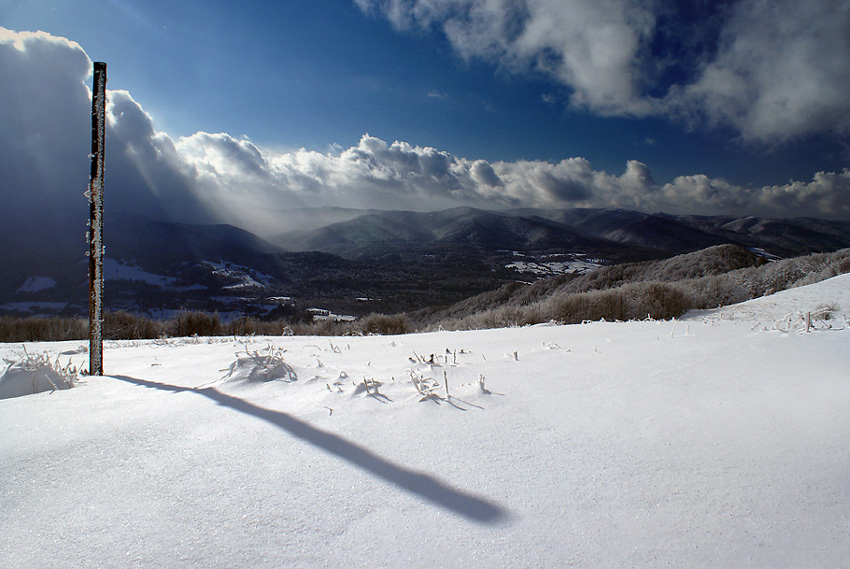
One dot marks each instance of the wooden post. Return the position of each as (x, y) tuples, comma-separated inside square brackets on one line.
[(98, 136)]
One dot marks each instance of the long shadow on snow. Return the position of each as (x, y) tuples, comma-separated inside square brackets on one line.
[(422, 485)]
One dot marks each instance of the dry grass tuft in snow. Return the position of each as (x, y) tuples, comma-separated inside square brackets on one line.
[(34, 373), (260, 366)]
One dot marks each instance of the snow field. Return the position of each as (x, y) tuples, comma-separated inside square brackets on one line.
[(716, 441)]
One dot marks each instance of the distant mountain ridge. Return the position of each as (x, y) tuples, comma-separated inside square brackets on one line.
[(386, 261), (683, 233), (612, 232), (659, 232), (464, 229)]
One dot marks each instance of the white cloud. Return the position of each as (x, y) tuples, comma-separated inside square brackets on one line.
[(828, 194), (439, 95), (590, 45), (780, 70), (379, 175), (44, 142)]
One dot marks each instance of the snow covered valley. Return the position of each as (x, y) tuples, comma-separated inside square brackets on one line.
[(719, 440)]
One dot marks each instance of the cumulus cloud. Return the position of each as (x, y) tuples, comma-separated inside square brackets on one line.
[(398, 175), (590, 45), (772, 70), (215, 177), (782, 71)]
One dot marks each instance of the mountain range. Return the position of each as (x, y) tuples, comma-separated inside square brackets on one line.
[(617, 232), (365, 261)]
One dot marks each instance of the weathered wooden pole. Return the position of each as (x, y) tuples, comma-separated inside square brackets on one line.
[(98, 136)]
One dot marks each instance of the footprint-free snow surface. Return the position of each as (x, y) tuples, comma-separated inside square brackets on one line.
[(719, 440)]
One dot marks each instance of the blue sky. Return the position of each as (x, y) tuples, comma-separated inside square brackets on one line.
[(707, 107)]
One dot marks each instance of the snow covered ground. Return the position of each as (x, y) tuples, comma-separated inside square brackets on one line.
[(721, 440), (113, 269), (550, 265), (35, 284)]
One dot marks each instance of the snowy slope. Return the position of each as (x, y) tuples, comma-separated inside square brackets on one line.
[(717, 441), (827, 302)]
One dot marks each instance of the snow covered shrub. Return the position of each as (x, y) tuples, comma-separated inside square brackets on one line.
[(660, 301), (122, 325), (593, 305), (248, 326), (716, 290), (30, 329), (827, 311), (382, 324), (195, 324), (481, 321), (511, 315), (716, 260), (326, 327), (507, 316), (35, 373), (260, 367)]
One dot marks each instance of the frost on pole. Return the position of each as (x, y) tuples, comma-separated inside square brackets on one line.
[(98, 135)]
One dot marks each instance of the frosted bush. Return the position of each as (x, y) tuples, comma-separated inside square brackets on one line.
[(381, 324), (35, 373), (260, 367)]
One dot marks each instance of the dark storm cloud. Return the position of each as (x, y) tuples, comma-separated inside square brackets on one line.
[(44, 140), (146, 175)]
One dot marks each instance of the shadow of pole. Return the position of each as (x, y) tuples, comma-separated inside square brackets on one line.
[(423, 485)]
